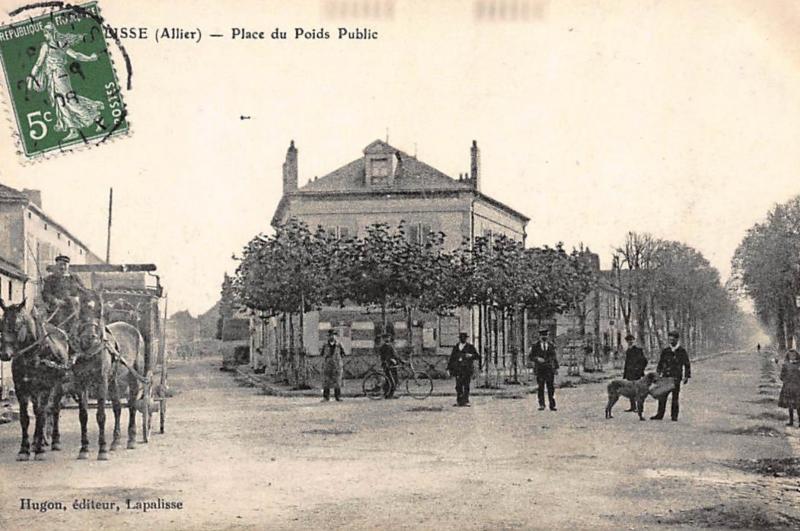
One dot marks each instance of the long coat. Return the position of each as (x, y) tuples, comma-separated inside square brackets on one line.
[(675, 364), (550, 363), (332, 365), (461, 362), (635, 363), (790, 392)]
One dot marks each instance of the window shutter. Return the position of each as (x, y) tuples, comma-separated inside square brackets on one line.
[(413, 233), (426, 234)]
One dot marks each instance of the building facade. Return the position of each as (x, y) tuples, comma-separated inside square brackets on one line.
[(384, 185), (29, 241)]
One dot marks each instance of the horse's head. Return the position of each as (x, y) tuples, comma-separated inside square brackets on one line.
[(16, 329), (90, 333)]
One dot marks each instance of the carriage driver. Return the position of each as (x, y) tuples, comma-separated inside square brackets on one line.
[(61, 294)]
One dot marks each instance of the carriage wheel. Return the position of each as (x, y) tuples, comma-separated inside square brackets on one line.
[(162, 412)]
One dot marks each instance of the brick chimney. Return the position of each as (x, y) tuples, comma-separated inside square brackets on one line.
[(290, 169), (34, 196), (475, 166)]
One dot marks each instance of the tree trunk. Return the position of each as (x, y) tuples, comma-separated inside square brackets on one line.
[(302, 353), (409, 330), (780, 331), (791, 328), (292, 353)]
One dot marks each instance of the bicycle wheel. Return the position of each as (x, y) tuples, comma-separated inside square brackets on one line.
[(374, 385), (419, 385)]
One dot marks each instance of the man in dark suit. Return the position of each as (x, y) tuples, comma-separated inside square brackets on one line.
[(545, 367), (635, 364), (461, 365), (673, 363)]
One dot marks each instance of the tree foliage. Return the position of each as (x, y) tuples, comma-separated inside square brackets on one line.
[(766, 268)]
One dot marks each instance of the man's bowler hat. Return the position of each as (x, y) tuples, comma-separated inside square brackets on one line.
[(463, 335), (544, 331), (62, 258), (333, 332), (674, 333), (630, 337)]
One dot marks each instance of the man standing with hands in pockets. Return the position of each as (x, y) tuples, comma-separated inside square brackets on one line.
[(674, 359), (545, 367)]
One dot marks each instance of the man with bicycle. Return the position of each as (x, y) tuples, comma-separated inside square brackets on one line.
[(461, 366), (389, 362)]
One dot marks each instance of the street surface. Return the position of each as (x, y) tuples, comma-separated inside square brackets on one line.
[(237, 459)]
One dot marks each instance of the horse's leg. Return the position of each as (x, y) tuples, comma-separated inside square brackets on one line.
[(133, 391), (40, 410), (55, 413), (102, 393), (115, 403), (83, 415), (24, 421)]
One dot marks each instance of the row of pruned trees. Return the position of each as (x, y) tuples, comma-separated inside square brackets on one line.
[(766, 267), (297, 270), (668, 285)]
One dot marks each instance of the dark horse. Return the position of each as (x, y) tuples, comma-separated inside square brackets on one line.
[(111, 358), (40, 354)]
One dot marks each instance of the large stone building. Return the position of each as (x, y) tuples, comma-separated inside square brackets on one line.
[(386, 185), (29, 241)]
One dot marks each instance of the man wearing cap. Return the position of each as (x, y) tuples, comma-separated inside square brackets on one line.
[(332, 367), (389, 362), (635, 364), (673, 363), (61, 294), (461, 365), (545, 367)]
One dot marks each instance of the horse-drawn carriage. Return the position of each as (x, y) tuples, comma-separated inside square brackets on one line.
[(130, 293), (113, 346)]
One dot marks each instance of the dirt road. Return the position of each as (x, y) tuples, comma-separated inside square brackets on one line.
[(235, 459)]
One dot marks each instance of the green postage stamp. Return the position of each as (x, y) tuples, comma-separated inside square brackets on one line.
[(61, 81)]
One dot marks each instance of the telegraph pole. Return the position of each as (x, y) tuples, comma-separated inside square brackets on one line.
[(108, 236)]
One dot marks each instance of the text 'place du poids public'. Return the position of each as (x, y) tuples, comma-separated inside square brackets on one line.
[(306, 34)]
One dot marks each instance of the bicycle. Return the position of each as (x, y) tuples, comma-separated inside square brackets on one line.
[(418, 384)]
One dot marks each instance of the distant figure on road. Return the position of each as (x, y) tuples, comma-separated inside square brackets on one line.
[(635, 364), (673, 363), (389, 362), (332, 367), (758, 347), (545, 367), (790, 392), (461, 365)]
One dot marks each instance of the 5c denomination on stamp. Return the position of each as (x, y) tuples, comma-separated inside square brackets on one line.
[(61, 81)]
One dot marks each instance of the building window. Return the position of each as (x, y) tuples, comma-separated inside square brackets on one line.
[(418, 233), (29, 215), (80, 251), (45, 226), (59, 235), (341, 232), (380, 170), (10, 291), (69, 243)]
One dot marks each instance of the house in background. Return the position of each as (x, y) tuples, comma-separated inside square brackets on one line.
[(384, 185), (29, 241)]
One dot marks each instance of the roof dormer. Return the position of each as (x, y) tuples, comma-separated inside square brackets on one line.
[(380, 164)]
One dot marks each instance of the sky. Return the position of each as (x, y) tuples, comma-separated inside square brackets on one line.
[(677, 118)]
